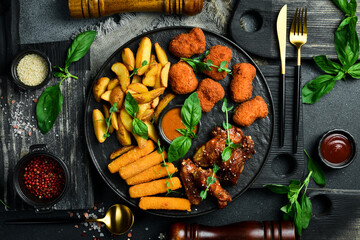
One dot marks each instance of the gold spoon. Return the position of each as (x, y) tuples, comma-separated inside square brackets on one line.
[(118, 220)]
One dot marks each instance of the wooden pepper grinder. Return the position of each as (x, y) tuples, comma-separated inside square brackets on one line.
[(249, 230), (101, 8)]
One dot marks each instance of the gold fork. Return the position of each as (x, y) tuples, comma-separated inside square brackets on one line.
[(298, 37)]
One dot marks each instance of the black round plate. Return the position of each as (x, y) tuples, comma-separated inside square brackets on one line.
[(261, 130)]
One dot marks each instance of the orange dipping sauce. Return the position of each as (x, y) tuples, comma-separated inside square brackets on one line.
[(172, 121)]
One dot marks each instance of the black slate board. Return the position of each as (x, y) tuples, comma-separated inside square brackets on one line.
[(323, 19), (261, 130)]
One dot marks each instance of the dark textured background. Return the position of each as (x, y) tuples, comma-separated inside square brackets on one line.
[(339, 109)]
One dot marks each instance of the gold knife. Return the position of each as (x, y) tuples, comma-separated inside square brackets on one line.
[(281, 32)]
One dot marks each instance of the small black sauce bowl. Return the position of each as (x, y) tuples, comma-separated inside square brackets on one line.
[(40, 205), (161, 132), (353, 149), (15, 63)]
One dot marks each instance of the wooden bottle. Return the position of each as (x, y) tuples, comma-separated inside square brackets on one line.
[(101, 8), (249, 230)]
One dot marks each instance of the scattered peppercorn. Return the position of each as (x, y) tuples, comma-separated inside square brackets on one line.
[(44, 177)]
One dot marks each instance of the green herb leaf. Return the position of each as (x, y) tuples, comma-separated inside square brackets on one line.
[(48, 108), (178, 148), (182, 131), (59, 74), (79, 47), (226, 154), (140, 128), (191, 111), (343, 5), (354, 71), (279, 189), (203, 194), (160, 149), (131, 106), (327, 65), (306, 208), (317, 173), (227, 126), (316, 88), (298, 218)]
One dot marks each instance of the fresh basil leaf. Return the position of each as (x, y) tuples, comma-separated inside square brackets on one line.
[(224, 105), (178, 148), (49, 107), (347, 42), (298, 218), (131, 106), (209, 181), (226, 154), (354, 71), (327, 65), (191, 111), (79, 47), (317, 172), (223, 64), (352, 8), (233, 146), (140, 128), (306, 208), (209, 62), (277, 188), (316, 88), (343, 5), (193, 65), (59, 74), (182, 131)]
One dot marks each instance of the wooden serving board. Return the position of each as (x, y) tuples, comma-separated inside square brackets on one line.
[(260, 17)]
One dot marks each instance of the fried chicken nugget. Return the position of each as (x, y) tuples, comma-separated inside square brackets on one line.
[(218, 54), (241, 85), (246, 113), (209, 93), (182, 78), (188, 44)]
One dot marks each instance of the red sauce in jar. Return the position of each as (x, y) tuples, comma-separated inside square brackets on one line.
[(336, 148)]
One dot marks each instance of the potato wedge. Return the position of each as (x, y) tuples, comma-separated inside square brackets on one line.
[(99, 125), (117, 96), (100, 87), (128, 58), (106, 110), (147, 115), (164, 76), (150, 76), (161, 55), (162, 104), (158, 77), (106, 96), (149, 96), (143, 54), (155, 102), (152, 59), (120, 151), (114, 120), (136, 79), (122, 74), (138, 87), (131, 91), (123, 135), (142, 109), (126, 119), (141, 142), (113, 83), (153, 135)]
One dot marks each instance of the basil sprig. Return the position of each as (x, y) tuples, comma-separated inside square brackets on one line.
[(132, 108), (50, 101), (226, 154), (299, 209), (190, 116), (346, 42), (198, 65)]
